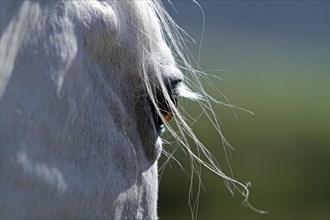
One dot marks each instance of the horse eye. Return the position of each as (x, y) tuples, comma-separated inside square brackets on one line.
[(168, 116), (163, 104)]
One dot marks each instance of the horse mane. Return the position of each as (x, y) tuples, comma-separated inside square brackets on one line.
[(191, 88)]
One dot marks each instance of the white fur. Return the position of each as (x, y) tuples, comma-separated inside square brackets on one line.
[(79, 80), (77, 135)]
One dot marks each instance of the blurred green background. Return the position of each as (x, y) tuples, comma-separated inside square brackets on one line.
[(276, 57)]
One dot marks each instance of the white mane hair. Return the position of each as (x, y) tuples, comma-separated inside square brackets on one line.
[(81, 83)]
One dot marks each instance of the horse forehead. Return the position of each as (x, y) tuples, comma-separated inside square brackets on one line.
[(132, 31)]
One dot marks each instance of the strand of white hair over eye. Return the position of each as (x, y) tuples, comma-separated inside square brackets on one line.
[(175, 38)]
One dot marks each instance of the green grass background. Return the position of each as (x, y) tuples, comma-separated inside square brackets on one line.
[(283, 150)]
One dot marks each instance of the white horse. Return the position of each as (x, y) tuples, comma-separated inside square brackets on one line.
[(86, 87)]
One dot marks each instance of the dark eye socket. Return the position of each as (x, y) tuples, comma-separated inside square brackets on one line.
[(163, 105)]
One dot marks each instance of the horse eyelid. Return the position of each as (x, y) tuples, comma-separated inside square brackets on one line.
[(173, 93), (162, 104)]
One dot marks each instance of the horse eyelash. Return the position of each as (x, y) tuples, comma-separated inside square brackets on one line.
[(173, 93), (165, 108)]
